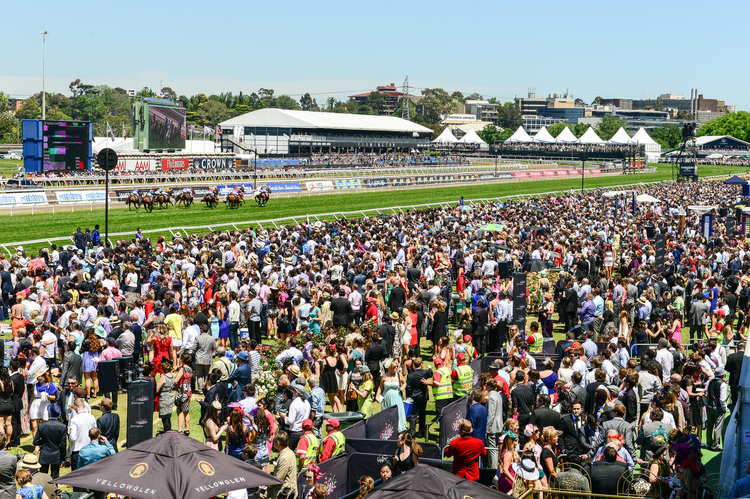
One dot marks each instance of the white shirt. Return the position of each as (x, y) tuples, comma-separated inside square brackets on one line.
[(78, 430), (298, 412), (580, 366), (49, 340), (189, 335), (666, 359)]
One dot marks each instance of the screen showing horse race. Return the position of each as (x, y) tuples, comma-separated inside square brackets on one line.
[(166, 127), (65, 145)]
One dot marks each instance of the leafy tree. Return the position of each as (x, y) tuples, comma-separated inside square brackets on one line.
[(474, 96), (437, 103), (493, 100), (597, 100), (4, 103), (146, 92), (659, 104), (668, 136), (436, 128), (307, 103), (608, 126), (735, 124), (365, 109), (505, 134), (8, 125), (579, 102), (377, 101), (77, 88), (285, 102), (685, 115), (458, 96), (579, 129), (490, 134), (509, 115), (168, 93), (266, 97), (195, 102), (212, 112)]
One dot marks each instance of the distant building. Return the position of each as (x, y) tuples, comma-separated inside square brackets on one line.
[(482, 109), (532, 123), (15, 104), (131, 92), (531, 104), (393, 96)]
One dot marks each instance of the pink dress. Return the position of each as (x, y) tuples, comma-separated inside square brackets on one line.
[(504, 484), (677, 334)]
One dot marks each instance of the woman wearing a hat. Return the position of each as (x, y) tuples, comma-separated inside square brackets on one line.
[(528, 476)]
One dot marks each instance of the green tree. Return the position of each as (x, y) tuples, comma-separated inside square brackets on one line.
[(579, 102), (458, 96), (307, 103), (146, 92), (505, 134), (668, 136), (509, 115), (735, 124), (437, 103), (608, 126), (474, 96), (579, 129), (555, 129), (212, 112), (659, 104), (377, 101), (266, 97), (490, 134), (4, 103), (8, 125), (168, 93), (285, 102), (597, 100)]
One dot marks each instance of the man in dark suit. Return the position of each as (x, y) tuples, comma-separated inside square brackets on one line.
[(72, 364), (6, 288), (109, 422), (51, 442), (605, 475), (8, 463), (543, 416), (571, 425), (342, 310), (734, 367), (600, 376), (239, 378), (397, 299), (19, 391)]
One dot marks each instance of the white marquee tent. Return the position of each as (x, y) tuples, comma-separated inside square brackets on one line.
[(544, 136), (446, 137), (620, 137), (566, 136), (471, 138), (650, 146), (520, 135), (590, 137)]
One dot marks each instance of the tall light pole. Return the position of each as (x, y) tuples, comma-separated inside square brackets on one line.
[(44, 93)]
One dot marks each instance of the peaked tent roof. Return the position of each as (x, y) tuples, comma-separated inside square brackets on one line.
[(520, 135), (543, 136), (590, 137), (446, 137), (426, 482), (735, 180), (472, 138), (642, 137), (566, 136), (620, 137)]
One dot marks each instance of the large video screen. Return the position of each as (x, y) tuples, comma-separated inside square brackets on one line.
[(166, 127), (65, 145)]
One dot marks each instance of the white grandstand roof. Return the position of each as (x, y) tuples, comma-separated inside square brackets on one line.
[(705, 139), (285, 118)]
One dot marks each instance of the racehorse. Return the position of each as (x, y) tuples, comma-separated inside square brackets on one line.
[(147, 202), (185, 198), (262, 197), (133, 200), (211, 200), (163, 199), (235, 200)]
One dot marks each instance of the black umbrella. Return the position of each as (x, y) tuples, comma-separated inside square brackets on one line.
[(427, 482), (169, 466)]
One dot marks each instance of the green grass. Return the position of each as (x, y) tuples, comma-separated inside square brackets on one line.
[(9, 167), (25, 227)]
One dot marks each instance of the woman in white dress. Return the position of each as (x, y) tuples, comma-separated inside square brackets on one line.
[(45, 392)]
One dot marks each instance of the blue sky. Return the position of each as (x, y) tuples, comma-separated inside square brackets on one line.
[(499, 49)]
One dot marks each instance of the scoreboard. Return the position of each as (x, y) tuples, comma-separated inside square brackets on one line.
[(65, 145), (56, 146)]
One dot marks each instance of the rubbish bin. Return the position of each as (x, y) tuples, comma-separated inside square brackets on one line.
[(345, 419)]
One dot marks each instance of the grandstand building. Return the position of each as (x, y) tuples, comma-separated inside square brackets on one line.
[(276, 132)]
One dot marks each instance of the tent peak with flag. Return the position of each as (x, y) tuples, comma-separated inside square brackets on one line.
[(169, 466)]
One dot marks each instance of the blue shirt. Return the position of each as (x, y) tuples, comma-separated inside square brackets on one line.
[(317, 401), (93, 452), (477, 415)]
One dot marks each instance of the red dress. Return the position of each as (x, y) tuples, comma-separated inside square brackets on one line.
[(162, 348)]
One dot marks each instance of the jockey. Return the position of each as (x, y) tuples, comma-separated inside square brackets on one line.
[(213, 190), (136, 193), (187, 190)]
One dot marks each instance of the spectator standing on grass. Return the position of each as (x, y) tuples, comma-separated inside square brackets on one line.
[(466, 452)]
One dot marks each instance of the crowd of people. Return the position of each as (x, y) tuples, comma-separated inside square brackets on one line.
[(625, 149), (269, 331)]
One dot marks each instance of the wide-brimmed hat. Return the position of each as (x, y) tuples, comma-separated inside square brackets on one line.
[(30, 461), (299, 389), (465, 426), (294, 370), (41, 371), (395, 316), (363, 369), (526, 469), (243, 356)]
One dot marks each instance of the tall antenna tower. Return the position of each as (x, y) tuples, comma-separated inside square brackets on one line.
[(405, 105)]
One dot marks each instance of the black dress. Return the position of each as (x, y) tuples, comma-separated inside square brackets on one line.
[(400, 466), (328, 380)]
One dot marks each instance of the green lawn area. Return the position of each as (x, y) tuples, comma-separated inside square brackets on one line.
[(9, 167), (24, 227)]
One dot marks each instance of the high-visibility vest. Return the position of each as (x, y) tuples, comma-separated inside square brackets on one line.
[(313, 445), (340, 440), (465, 382), (445, 389)]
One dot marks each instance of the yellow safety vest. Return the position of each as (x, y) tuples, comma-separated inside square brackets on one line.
[(313, 445), (445, 389), (340, 440), (465, 382)]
